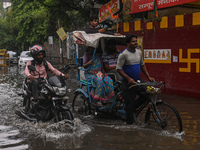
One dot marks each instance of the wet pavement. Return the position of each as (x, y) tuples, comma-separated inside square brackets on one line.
[(89, 133)]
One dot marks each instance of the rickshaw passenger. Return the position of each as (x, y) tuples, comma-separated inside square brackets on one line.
[(103, 83), (109, 58), (129, 64)]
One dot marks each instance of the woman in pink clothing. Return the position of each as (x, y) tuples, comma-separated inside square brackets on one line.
[(41, 66)]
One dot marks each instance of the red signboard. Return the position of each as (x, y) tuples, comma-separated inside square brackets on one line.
[(136, 6), (104, 11), (169, 3)]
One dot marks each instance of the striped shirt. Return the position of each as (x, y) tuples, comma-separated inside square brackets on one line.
[(108, 59)]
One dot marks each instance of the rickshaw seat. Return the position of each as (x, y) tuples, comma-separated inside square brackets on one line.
[(84, 82), (82, 78)]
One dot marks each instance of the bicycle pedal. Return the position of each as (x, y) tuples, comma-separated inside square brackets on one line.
[(102, 108), (159, 100), (121, 111), (104, 104)]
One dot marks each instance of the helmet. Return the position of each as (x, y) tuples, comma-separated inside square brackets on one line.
[(37, 49)]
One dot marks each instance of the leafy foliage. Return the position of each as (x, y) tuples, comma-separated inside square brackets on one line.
[(7, 38), (32, 21)]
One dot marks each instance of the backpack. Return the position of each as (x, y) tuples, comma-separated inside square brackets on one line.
[(44, 62)]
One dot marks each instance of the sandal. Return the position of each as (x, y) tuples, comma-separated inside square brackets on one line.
[(99, 104), (120, 98)]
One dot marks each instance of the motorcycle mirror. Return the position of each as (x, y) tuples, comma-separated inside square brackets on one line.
[(66, 67), (31, 67)]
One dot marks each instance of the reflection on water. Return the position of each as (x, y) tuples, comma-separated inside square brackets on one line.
[(4, 70), (191, 121), (8, 139), (89, 132)]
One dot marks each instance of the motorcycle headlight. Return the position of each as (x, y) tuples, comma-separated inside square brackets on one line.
[(44, 91), (60, 91)]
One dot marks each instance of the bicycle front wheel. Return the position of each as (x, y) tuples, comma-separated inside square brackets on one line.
[(81, 105), (167, 117)]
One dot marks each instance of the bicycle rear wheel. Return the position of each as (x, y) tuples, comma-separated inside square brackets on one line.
[(166, 116), (81, 104)]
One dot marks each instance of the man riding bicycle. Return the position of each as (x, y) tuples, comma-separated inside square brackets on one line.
[(41, 66), (129, 64)]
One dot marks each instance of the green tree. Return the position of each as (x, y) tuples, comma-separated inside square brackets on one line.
[(30, 19), (37, 19), (71, 14), (7, 33)]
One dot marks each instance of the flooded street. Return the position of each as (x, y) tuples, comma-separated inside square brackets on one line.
[(89, 133)]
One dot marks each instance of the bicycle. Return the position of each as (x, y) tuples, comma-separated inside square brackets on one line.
[(164, 114)]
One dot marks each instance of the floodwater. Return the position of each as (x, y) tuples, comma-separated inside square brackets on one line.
[(89, 133)]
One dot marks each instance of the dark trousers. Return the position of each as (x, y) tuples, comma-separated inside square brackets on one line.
[(33, 86), (131, 103)]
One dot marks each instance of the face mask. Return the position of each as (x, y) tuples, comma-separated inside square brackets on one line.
[(39, 61)]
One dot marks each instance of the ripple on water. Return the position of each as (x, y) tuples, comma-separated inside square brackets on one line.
[(122, 126), (8, 139)]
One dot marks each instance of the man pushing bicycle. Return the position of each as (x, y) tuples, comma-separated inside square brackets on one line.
[(129, 64)]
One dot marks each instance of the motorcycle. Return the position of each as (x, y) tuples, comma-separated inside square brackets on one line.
[(52, 101)]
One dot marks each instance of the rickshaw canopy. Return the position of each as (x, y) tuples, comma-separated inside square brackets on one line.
[(92, 40)]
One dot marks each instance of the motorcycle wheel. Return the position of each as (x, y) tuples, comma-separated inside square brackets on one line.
[(45, 115), (62, 115)]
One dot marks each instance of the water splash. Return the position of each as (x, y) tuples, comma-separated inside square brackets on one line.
[(69, 134), (122, 126)]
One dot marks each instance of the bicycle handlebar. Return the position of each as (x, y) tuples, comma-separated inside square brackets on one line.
[(147, 84)]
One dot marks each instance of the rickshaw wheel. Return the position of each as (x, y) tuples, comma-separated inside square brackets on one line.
[(81, 104)]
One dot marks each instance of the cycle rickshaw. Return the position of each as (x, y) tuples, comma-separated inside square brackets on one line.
[(155, 110)]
